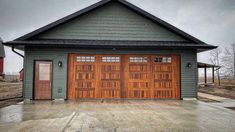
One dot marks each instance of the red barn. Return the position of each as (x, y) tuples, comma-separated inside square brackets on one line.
[(21, 74), (2, 55)]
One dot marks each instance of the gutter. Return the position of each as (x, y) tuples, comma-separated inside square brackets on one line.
[(13, 49)]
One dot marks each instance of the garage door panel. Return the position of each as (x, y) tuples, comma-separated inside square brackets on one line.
[(110, 76), (87, 76), (139, 85), (114, 67), (110, 93), (85, 93), (158, 67), (110, 84), (165, 75), (139, 94), (163, 84), (85, 72), (83, 67), (162, 76), (85, 84), (164, 94), (139, 76)]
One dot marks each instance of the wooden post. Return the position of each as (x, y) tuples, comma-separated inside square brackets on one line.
[(213, 74), (205, 75)]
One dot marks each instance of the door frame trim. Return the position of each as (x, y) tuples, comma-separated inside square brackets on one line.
[(34, 69)]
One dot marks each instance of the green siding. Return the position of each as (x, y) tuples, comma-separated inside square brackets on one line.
[(188, 75), (111, 22), (59, 82)]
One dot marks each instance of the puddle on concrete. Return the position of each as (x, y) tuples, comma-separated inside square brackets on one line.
[(203, 99), (35, 111), (231, 108)]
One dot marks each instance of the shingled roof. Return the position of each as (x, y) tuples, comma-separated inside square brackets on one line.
[(21, 41)]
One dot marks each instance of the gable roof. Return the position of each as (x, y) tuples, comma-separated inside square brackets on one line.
[(102, 3), (114, 21)]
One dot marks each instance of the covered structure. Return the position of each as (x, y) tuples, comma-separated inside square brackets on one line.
[(206, 66)]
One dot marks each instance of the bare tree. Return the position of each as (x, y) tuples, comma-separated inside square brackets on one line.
[(229, 61), (215, 58)]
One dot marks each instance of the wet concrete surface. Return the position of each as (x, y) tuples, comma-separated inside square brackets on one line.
[(114, 115)]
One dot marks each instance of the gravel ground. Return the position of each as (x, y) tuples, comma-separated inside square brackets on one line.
[(223, 91)]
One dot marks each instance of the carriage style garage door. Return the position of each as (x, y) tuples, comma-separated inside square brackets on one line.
[(123, 76)]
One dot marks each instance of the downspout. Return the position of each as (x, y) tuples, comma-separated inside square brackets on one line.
[(13, 49)]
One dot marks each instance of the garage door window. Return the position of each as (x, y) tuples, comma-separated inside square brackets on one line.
[(162, 59), (110, 59), (85, 58), (138, 59)]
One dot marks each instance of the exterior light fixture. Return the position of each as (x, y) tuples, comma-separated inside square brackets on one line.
[(60, 64), (188, 65)]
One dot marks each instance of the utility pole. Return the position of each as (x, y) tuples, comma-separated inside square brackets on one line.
[(233, 61)]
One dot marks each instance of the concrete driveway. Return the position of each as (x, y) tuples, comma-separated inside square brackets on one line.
[(113, 115)]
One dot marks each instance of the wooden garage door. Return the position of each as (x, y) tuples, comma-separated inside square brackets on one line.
[(165, 77), (82, 76), (138, 76), (110, 76), (123, 76)]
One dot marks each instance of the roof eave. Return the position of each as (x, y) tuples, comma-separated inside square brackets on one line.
[(206, 65), (22, 44)]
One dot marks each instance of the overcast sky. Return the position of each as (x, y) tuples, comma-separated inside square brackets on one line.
[(212, 21)]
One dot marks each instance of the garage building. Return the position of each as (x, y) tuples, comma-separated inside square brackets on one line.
[(111, 49)]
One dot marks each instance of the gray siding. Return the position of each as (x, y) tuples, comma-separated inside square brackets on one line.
[(111, 22), (188, 75)]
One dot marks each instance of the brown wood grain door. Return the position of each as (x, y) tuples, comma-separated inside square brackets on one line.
[(110, 76), (82, 76), (43, 80), (138, 73), (165, 77), (85, 76)]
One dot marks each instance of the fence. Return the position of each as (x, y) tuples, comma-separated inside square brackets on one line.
[(10, 90), (12, 78)]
